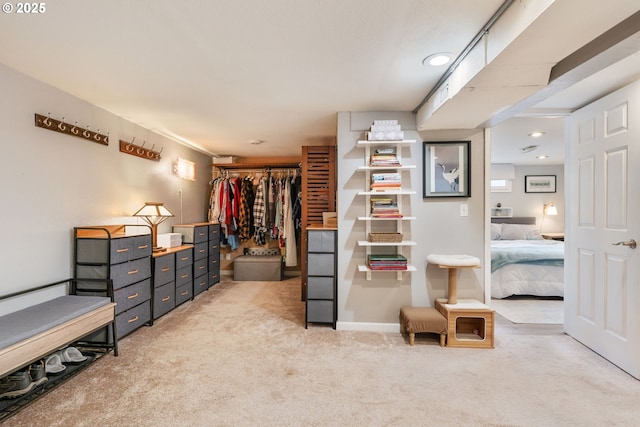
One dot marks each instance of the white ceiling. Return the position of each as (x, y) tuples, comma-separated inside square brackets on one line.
[(218, 74)]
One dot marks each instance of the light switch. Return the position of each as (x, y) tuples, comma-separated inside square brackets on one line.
[(464, 209)]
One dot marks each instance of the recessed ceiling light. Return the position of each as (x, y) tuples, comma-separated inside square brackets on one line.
[(437, 59), (257, 141), (542, 156), (528, 148), (536, 134)]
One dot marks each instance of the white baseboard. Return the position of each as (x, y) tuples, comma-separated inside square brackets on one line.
[(369, 327)]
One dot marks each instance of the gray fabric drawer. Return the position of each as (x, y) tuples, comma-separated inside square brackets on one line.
[(321, 241), (200, 267), (142, 246), (132, 319), (321, 265), (184, 293), (130, 272), (184, 258), (164, 299), (130, 296), (200, 250), (192, 233), (200, 284), (320, 287), (183, 275), (97, 250), (164, 269), (320, 311)]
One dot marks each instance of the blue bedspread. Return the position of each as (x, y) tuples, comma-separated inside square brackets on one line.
[(541, 252)]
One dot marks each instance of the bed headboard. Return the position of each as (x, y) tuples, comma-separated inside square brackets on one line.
[(514, 220)]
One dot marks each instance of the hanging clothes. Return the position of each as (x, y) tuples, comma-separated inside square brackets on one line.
[(259, 214), (291, 251)]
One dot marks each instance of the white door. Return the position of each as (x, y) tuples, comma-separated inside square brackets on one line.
[(602, 297)]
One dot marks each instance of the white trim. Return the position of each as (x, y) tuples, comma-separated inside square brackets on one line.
[(368, 327)]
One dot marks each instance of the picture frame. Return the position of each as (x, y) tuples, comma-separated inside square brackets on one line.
[(540, 184), (446, 169)]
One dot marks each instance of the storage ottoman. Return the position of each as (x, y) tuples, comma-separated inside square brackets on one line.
[(258, 264), (422, 319)]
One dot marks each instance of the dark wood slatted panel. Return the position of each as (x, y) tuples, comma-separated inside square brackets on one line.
[(318, 193)]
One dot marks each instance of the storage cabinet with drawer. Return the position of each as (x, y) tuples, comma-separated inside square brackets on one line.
[(184, 275), (205, 238), (321, 295), (112, 252)]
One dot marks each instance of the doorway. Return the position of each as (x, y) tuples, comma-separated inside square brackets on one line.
[(527, 164)]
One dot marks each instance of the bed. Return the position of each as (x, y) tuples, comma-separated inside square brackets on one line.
[(522, 262)]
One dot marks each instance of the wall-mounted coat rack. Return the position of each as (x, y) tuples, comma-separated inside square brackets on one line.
[(139, 150), (61, 126)]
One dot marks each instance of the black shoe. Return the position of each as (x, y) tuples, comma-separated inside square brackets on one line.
[(37, 373), (15, 385)]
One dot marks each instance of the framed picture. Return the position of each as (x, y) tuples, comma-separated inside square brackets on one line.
[(447, 169), (540, 184)]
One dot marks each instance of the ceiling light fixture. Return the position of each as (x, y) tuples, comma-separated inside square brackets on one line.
[(257, 141), (528, 148), (536, 134), (542, 156), (437, 59)]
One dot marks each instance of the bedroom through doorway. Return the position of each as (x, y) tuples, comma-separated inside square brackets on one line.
[(527, 237)]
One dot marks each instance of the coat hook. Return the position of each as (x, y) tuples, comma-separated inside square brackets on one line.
[(61, 125), (140, 150), (97, 135), (47, 120), (86, 133), (74, 130)]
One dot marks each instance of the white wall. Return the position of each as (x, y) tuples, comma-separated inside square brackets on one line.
[(530, 204), (52, 182), (439, 228)]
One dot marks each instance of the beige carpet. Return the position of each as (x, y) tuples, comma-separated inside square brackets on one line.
[(530, 310), (239, 355)]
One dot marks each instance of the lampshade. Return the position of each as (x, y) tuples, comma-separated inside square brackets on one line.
[(550, 209), (153, 213)]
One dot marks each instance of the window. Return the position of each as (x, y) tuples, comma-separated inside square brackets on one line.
[(501, 186)]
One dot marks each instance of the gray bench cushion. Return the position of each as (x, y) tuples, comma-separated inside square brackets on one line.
[(39, 318)]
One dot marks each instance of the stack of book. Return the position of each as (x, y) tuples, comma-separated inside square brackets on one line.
[(385, 181), (385, 130), (387, 262), (384, 207), (384, 157)]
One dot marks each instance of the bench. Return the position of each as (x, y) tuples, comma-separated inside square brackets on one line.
[(258, 264), (30, 334), (415, 320)]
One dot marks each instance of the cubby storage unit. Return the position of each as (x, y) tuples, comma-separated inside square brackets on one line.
[(394, 197), (470, 323), (111, 252), (322, 264), (205, 238)]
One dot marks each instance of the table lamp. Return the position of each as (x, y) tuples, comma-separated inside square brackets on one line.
[(548, 209), (153, 213)]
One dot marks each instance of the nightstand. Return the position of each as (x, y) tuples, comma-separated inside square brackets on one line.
[(553, 236)]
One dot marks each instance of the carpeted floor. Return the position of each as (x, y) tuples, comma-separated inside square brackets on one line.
[(530, 310), (239, 355)]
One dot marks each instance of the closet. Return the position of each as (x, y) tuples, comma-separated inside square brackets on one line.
[(258, 205)]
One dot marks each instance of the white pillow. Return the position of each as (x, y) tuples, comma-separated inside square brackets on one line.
[(496, 231), (520, 232)]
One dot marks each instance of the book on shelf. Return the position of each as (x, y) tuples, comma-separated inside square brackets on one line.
[(384, 207), (387, 262)]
